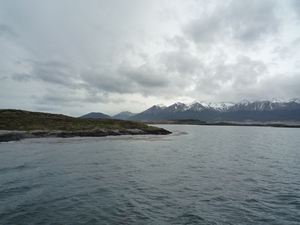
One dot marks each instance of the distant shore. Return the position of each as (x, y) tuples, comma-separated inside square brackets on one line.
[(199, 122)]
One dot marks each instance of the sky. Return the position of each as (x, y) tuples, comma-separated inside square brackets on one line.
[(74, 57)]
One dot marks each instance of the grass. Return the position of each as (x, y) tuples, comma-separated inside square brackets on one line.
[(27, 121)]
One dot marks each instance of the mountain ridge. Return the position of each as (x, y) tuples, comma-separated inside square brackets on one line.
[(244, 110)]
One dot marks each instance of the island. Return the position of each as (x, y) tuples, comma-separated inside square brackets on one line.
[(19, 124)]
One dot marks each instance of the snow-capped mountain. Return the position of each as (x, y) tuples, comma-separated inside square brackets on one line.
[(156, 109), (176, 107), (265, 105), (274, 109), (197, 106), (295, 100)]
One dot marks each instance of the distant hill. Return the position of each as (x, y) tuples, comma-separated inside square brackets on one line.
[(96, 115), (123, 115)]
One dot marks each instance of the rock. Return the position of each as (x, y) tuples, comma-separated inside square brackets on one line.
[(11, 137), (6, 136), (135, 131), (160, 131)]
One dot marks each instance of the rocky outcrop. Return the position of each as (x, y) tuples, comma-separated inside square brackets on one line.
[(159, 131), (13, 136), (6, 136)]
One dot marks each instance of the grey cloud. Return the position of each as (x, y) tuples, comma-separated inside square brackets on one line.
[(280, 85), (54, 98), (204, 30), (144, 75), (295, 42), (245, 21), (126, 79), (3, 78), (21, 77), (106, 81), (296, 7), (53, 72), (96, 96), (178, 41), (283, 52), (240, 75), (102, 98), (291, 85), (7, 30), (247, 71), (182, 62), (286, 52), (252, 19), (181, 42)]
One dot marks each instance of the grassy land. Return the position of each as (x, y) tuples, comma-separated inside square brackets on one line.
[(27, 121)]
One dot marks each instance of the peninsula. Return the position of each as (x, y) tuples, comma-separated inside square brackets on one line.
[(20, 124)]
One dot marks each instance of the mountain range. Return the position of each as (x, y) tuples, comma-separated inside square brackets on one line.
[(243, 111)]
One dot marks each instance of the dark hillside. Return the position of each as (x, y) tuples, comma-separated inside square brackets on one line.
[(95, 115), (27, 121)]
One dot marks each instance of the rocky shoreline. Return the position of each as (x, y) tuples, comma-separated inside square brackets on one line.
[(6, 136)]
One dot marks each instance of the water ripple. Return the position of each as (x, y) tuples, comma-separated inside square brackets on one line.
[(199, 175)]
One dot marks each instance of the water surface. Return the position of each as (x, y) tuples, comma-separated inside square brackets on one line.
[(197, 175)]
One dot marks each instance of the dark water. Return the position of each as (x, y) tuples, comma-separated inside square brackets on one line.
[(211, 175)]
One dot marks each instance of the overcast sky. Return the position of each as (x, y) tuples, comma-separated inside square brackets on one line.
[(74, 57)]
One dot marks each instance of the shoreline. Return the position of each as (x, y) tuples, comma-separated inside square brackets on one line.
[(202, 123), (15, 135)]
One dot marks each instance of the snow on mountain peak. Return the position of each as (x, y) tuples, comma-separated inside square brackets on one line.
[(225, 106), (276, 100), (297, 100), (161, 106), (221, 105), (179, 103), (244, 102), (195, 105), (273, 100), (206, 105)]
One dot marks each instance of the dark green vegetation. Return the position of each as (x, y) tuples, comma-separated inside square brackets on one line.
[(21, 120)]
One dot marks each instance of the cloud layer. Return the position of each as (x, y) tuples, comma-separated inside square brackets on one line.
[(76, 57)]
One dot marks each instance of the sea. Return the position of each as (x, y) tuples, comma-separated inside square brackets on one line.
[(196, 175)]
